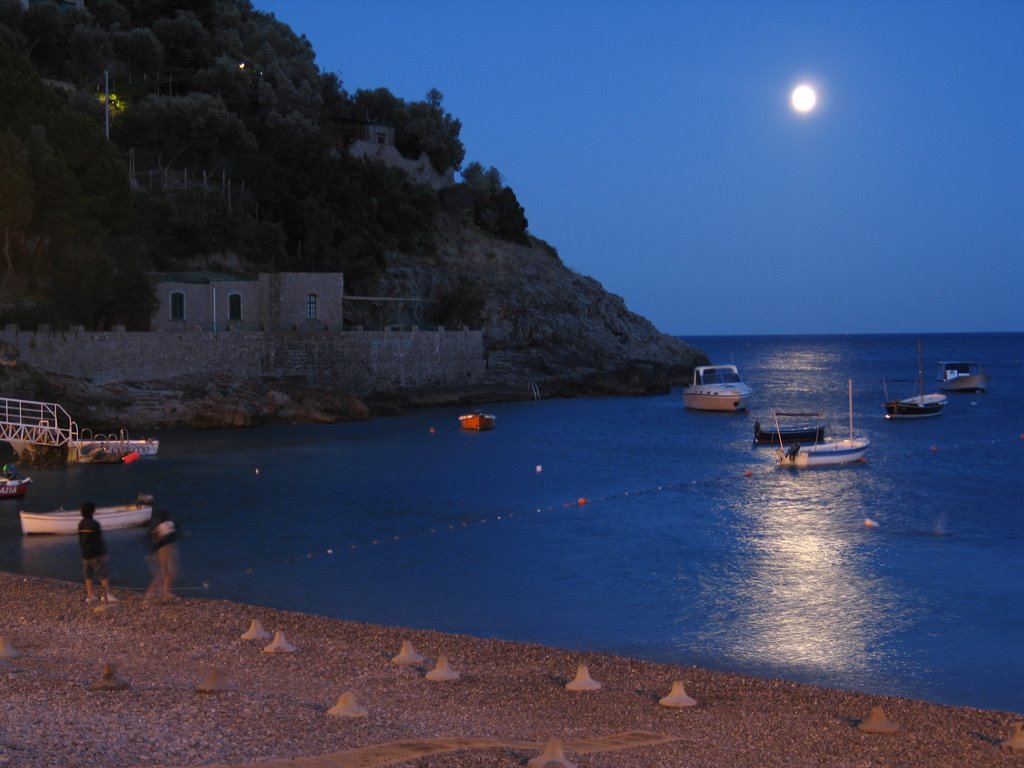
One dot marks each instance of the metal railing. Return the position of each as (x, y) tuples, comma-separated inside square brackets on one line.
[(27, 421)]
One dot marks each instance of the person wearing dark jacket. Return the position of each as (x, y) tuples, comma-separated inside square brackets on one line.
[(94, 554)]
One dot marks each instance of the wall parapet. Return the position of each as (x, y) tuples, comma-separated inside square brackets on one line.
[(358, 362)]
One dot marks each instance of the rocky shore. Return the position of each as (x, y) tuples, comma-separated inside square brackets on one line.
[(339, 699)]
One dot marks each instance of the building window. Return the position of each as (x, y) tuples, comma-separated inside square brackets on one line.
[(235, 307), (177, 305), (311, 306)]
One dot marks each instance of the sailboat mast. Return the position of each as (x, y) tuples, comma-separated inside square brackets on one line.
[(849, 383)]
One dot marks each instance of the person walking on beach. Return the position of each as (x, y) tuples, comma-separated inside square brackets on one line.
[(94, 555), (164, 560)]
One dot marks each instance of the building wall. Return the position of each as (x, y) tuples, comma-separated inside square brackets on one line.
[(269, 303), (360, 362)]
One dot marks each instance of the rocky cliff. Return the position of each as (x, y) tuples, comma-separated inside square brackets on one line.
[(548, 331)]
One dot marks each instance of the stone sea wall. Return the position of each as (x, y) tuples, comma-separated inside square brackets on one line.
[(360, 362)]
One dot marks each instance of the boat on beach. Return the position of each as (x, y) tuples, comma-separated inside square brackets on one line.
[(717, 388), (829, 452), (962, 377), (477, 420), (65, 521), (780, 432)]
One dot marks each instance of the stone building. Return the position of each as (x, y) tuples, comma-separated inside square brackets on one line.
[(210, 301)]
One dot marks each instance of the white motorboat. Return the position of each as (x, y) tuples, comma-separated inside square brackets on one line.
[(65, 521), (716, 388), (843, 451), (962, 377)]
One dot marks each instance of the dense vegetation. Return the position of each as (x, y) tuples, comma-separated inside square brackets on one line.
[(222, 145)]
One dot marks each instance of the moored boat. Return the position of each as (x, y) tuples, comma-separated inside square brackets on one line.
[(716, 388), (918, 405), (477, 420), (65, 521), (831, 452), (15, 487), (962, 377), (779, 432)]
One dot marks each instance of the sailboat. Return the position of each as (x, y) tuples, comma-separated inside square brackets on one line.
[(917, 406), (843, 451)]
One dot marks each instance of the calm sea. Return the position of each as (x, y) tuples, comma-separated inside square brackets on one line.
[(627, 525)]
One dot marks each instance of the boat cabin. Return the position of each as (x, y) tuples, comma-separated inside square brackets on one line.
[(722, 374)]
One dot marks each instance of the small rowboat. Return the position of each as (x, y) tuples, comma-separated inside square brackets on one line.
[(14, 487), (477, 420), (65, 521), (789, 433)]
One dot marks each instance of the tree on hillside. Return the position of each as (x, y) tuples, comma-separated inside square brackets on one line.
[(16, 194)]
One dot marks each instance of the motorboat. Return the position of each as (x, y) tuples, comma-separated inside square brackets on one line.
[(65, 521), (830, 452), (716, 388), (477, 420), (781, 432), (962, 377), (110, 449), (918, 405)]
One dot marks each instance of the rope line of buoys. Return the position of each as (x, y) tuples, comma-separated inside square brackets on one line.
[(759, 472)]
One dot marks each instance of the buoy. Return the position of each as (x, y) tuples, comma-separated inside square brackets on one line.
[(257, 470), (581, 501), (552, 755), (279, 644), (347, 707), (1016, 741), (748, 473), (935, 449), (582, 681), (8, 651), (407, 655), (869, 523), (432, 430), (877, 722), (442, 671), (538, 468), (215, 682), (109, 681), (677, 697), (130, 457), (255, 632)]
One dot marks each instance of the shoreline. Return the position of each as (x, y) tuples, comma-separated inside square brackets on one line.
[(509, 701)]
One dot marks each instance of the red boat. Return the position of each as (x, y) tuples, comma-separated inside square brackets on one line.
[(477, 420), (14, 487)]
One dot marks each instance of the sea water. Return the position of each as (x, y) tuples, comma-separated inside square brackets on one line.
[(626, 525)]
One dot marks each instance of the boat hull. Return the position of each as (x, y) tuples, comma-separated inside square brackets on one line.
[(14, 489), (973, 382), (791, 434), (717, 398), (476, 421), (834, 452), (920, 406), (65, 521)]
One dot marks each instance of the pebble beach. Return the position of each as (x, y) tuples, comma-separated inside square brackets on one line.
[(174, 684)]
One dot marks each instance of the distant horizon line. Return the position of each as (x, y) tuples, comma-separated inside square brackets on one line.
[(849, 333)]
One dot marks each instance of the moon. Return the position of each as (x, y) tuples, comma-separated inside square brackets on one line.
[(803, 98)]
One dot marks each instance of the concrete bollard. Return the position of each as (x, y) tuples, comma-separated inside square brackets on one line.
[(877, 722), (255, 632), (8, 651), (583, 681), (677, 697), (215, 682), (442, 671), (552, 755), (279, 644), (407, 655), (109, 681), (347, 707)]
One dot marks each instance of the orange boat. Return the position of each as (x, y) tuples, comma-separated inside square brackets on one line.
[(477, 420)]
